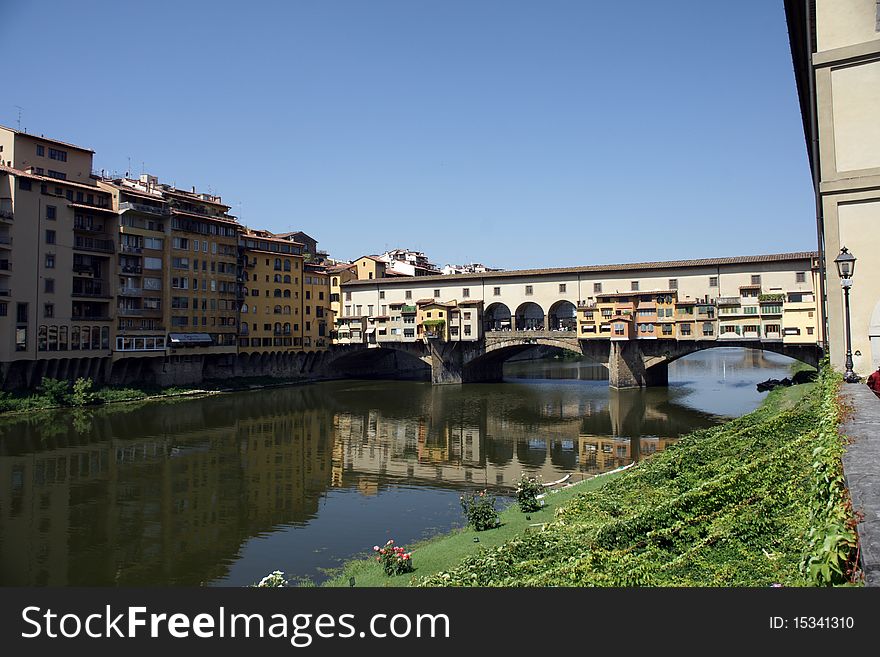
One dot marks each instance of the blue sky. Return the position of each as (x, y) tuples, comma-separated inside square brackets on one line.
[(518, 134)]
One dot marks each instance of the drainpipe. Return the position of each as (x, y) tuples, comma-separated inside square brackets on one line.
[(814, 151)]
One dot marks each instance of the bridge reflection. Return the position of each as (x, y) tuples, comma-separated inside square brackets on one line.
[(169, 493)]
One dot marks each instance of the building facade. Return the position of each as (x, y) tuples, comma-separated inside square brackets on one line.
[(835, 46)]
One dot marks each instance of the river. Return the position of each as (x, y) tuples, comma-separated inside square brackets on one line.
[(223, 490)]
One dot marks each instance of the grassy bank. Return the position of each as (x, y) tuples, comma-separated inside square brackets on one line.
[(52, 393), (443, 552), (756, 501)]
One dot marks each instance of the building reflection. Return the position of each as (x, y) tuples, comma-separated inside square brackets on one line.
[(169, 493)]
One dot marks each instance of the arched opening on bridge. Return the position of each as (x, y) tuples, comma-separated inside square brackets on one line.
[(529, 317), (563, 316), (497, 317), (531, 452)]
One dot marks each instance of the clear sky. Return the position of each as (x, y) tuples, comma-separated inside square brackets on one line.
[(515, 133)]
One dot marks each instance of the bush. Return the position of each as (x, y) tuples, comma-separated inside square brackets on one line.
[(274, 579), (395, 560), (54, 390), (527, 491), (82, 393), (479, 509)]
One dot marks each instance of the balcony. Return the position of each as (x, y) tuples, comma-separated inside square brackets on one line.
[(89, 244), (126, 206), (130, 312), (131, 269), (5, 241), (130, 292), (131, 249), (90, 318), (5, 292), (90, 270), (728, 301), (5, 266), (6, 214), (408, 310), (91, 293), (87, 228)]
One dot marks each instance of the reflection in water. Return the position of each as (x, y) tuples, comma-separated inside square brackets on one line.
[(224, 490)]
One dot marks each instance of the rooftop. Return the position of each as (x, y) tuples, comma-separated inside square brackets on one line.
[(48, 139), (588, 269)]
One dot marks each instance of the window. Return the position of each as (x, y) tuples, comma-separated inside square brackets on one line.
[(4, 309), (619, 329), (41, 150), (50, 237), (50, 261), (800, 277), (809, 330), (49, 285), (436, 293), (58, 175), (465, 292), (634, 286), (708, 329), (496, 291), (51, 212), (597, 288), (685, 329), (54, 154), (756, 279), (152, 263), (24, 184), (673, 283), (348, 296), (529, 290), (713, 281), (381, 293), (49, 310), (407, 294), (467, 329), (562, 287)]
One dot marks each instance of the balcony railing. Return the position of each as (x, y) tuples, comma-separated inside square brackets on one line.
[(408, 309), (5, 292), (5, 240), (96, 293), (728, 301), (86, 227), (90, 318), (130, 269), (5, 265), (126, 248), (87, 244), (140, 207), (92, 270), (130, 312), (130, 291), (6, 214)]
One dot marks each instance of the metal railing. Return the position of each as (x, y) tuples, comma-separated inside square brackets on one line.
[(140, 207), (131, 291)]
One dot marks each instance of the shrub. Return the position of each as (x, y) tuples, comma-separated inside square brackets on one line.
[(527, 491), (479, 509), (82, 393), (54, 390), (272, 580), (395, 560)]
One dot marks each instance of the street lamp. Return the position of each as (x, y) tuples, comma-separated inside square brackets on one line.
[(846, 267)]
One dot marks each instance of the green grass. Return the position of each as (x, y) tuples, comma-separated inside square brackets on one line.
[(445, 551), (746, 503)]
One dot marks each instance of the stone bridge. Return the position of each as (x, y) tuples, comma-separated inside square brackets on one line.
[(630, 363)]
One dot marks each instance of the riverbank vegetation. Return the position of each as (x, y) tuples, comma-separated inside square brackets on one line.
[(55, 393), (756, 501)]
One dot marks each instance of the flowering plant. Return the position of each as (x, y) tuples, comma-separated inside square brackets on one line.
[(527, 491), (272, 580), (479, 509), (395, 560)]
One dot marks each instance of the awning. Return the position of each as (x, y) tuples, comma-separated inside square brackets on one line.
[(190, 338)]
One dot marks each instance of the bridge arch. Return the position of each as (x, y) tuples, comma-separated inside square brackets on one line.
[(497, 317), (562, 316), (529, 317), (808, 354)]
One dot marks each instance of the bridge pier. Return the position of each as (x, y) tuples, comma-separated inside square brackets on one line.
[(627, 367)]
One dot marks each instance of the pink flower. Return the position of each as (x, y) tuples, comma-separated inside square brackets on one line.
[(378, 559), (375, 548), (390, 541)]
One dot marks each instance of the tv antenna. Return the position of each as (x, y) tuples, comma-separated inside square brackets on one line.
[(19, 108)]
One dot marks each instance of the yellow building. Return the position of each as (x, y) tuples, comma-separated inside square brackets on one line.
[(432, 318), (271, 308), (369, 267), (203, 275), (339, 275), (317, 316)]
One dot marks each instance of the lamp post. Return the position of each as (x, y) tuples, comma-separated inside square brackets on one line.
[(846, 267)]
